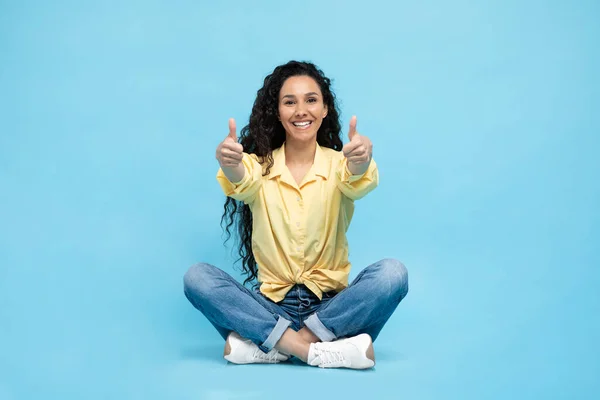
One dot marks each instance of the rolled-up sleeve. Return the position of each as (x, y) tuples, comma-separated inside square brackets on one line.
[(246, 189), (356, 186)]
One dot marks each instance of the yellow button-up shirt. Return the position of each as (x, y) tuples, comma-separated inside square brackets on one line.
[(299, 231)]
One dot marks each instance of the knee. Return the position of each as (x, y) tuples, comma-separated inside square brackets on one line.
[(395, 273), (198, 279)]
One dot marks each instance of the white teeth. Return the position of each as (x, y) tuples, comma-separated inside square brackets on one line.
[(302, 123)]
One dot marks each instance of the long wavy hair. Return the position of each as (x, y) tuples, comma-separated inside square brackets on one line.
[(265, 133)]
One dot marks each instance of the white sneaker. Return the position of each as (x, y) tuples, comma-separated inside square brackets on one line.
[(355, 353), (243, 351)]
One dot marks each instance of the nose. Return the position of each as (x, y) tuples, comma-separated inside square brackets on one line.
[(300, 110)]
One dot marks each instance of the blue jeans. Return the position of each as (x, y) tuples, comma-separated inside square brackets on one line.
[(363, 307)]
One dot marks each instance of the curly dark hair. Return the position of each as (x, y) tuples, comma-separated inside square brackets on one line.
[(264, 134)]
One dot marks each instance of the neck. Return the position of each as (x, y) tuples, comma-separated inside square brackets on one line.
[(300, 153)]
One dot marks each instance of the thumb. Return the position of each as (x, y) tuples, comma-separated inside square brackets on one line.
[(352, 130), (232, 133)]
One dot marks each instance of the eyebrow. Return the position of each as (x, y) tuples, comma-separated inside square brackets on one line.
[(307, 94)]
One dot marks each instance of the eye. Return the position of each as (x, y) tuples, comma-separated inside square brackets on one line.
[(288, 102), (312, 100)]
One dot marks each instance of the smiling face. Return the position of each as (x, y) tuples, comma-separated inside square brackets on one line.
[(301, 108)]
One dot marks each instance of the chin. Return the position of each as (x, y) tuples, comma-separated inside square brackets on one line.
[(302, 136), (307, 137)]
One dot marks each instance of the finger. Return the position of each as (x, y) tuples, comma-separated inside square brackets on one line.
[(232, 133), (352, 130), (230, 159), (233, 146), (358, 160), (351, 147), (227, 153), (358, 152), (228, 162)]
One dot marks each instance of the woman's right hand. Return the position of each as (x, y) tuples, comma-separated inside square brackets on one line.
[(230, 152)]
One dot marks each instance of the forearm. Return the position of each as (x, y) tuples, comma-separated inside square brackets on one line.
[(355, 182), (235, 174)]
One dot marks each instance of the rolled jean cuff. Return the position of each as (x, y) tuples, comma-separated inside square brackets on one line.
[(280, 327), (316, 326)]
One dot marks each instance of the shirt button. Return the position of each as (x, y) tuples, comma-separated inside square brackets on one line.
[(298, 224), (298, 248), (298, 198)]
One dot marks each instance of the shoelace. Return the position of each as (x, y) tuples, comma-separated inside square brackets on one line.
[(270, 357), (329, 357)]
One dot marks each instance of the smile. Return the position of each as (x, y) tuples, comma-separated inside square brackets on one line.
[(302, 125)]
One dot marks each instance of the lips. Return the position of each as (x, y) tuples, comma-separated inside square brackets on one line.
[(302, 124)]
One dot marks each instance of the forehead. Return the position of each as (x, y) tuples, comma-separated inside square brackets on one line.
[(299, 85)]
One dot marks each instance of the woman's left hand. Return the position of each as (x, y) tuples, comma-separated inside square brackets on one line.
[(359, 151)]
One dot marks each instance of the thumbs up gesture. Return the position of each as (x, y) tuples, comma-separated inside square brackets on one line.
[(229, 151), (359, 151)]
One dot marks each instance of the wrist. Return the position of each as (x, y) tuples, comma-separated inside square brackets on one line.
[(358, 169)]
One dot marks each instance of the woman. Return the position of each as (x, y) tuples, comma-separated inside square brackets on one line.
[(291, 187)]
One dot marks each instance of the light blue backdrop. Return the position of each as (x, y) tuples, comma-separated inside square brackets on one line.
[(485, 121)]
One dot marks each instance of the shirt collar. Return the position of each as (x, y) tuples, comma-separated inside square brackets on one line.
[(319, 167)]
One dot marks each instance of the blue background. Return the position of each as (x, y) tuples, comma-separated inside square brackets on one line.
[(485, 122)]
